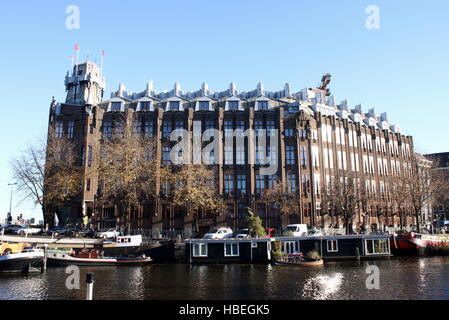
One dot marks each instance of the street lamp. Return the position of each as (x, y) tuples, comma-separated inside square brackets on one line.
[(10, 202)]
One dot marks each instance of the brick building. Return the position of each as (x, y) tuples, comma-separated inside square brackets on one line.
[(309, 138)]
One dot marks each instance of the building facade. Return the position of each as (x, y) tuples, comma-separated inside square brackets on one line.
[(308, 138), (440, 210)]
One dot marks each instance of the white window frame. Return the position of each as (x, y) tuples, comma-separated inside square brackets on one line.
[(289, 244), (332, 248), (200, 246), (232, 254), (372, 243)]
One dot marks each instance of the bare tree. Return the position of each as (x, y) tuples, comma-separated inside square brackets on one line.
[(399, 196), (127, 169), (345, 195), (48, 173), (279, 197), (194, 188)]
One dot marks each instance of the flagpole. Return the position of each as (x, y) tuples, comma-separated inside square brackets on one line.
[(77, 59), (101, 67)]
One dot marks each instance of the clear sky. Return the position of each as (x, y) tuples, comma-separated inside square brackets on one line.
[(400, 68)]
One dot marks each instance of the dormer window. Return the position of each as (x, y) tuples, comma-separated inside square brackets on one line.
[(145, 106), (116, 106), (263, 105), (204, 105), (174, 105), (233, 105)]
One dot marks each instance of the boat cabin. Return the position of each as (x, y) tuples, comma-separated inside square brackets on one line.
[(241, 250), (339, 247)]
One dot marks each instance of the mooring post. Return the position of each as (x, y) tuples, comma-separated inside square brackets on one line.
[(357, 253), (90, 285), (44, 262)]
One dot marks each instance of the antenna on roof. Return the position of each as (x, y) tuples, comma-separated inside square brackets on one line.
[(101, 68), (325, 80)]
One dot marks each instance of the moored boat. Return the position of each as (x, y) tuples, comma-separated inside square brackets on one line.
[(417, 243), (19, 257), (91, 258)]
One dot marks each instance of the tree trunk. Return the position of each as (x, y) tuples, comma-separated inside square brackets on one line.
[(417, 215)]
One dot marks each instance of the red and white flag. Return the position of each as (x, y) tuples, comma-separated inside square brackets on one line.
[(76, 47), (102, 52)]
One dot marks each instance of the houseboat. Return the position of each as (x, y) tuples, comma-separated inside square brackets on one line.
[(415, 243), (19, 257), (92, 257), (228, 250), (342, 247)]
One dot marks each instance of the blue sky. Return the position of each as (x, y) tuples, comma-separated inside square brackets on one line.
[(400, 68)]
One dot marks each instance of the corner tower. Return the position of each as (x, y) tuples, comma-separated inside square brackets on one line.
[(85, 86)]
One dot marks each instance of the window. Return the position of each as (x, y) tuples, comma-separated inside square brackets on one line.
[(291, 182), (305, 183), (288, 132), (241, 184), (304, 156), (204, 105), (229, 157), (289, 155), (59, 129), (116, 106), (271, 181), (332, 245), (166, 129), (263, 105), (377, 246), (240, 125), (200, 249), (148, 128), (240, 155), (88, 185), (107, 129), (242, 211), (145, 105), (209, 124), (89, 157), (174, 105), (260, 183), (70, 129), (258, 125), (290, 247), (229, 184), (228, 127), (166, 156), (231, 249), (270, 128), (233, 105)]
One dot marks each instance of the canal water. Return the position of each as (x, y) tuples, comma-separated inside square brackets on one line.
[(399, 278)]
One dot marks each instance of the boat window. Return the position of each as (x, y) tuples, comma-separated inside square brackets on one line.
[(290, 247), (332, 245), (231, 249), (377, 246), (200, 249)]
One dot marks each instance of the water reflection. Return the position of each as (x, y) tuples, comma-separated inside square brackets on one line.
[(322, 286), (403, 278)]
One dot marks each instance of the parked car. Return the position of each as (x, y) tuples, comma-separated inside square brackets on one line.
[(9, 228), (271, 232), (244, 233), (219, 233), (297, 230), (26, 230), (315, 232), (82, 232), (107, 233)]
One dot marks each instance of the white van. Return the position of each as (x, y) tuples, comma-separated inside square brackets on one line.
[(297, 230)]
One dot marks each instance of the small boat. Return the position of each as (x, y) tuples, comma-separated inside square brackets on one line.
[(92, 257), (19, 257), (298, 260)]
